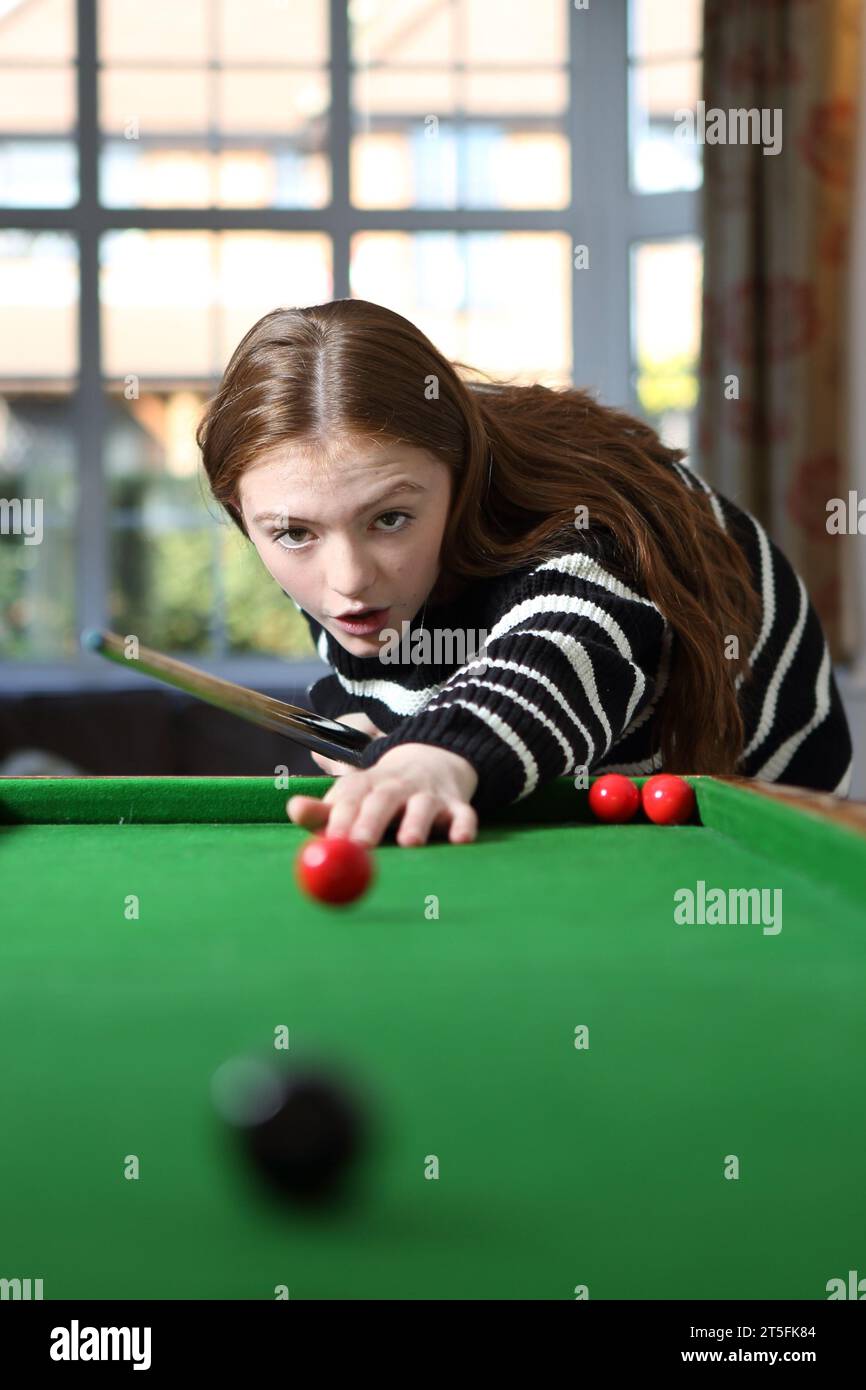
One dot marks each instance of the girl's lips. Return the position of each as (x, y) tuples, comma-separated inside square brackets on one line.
[(371, 622)]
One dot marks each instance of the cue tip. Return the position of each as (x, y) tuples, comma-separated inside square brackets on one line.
[(91, 640)]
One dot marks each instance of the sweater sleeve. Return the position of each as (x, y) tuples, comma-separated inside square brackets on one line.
[(568, 666)]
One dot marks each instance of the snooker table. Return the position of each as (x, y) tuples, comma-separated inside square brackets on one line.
[(707, 1143)]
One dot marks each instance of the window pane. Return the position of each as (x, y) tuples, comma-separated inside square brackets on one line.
[(259, 270), (276, 102), (510, 31), (39, 307), (662, 159), (428, 161), (232, 114), (258, 615), (37, 100), (182, 578), (666, 287), (162, 29), (42, 31), (665, 42), (280, 117), (279, 178), (395, 92), (161, 553), (497, 301), (665, 28), (436, 120), (483, 166), (242, 30), (38, 173), (256, 30), (146, 174), (38, 167), (528, 93), (148, 100), (38, 370), (38, 500), (482, 32), (175, 304), (141, 174), (405, 31), (200, 591), (156, 292), (162, 584)]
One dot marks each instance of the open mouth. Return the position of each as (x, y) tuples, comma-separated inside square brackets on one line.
[(366, 620)]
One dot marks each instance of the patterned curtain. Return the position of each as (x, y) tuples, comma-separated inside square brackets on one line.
[(776, 274)]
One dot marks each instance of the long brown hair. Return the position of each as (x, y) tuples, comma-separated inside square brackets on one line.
[(350, 368)]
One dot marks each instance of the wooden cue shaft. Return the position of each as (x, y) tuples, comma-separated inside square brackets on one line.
[(313, 731)]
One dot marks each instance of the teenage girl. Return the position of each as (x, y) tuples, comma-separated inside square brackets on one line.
[(617, 613)]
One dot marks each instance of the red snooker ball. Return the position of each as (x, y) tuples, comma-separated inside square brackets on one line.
[(613, 798), (334, 869), (668, 800)]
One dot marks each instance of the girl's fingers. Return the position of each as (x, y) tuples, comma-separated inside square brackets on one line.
[(464, 823), (308, 811), (313, 811), (457, 819), (365, 817), (422, 809)]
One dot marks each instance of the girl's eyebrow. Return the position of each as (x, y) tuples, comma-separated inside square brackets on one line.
[(407, 485)]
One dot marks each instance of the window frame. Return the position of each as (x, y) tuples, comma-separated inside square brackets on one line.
[(608, 222)]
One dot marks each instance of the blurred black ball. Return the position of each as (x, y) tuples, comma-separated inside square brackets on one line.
[(308, 1146)]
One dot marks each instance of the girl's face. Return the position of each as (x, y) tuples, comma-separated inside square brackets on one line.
[(366, 533)]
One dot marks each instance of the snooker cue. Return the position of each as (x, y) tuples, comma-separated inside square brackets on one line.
[(313, 731)]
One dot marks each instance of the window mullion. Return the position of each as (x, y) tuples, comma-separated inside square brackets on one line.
[(89, 406), (340, 136)]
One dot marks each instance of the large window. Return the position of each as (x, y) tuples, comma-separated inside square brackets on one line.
[(170, 172)]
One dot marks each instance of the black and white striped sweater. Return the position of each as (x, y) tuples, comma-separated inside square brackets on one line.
[(575, 664)]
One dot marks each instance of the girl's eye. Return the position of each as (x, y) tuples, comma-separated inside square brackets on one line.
[(392, 530), (280, 534), (384, 514)]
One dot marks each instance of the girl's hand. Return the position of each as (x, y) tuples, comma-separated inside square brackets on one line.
[(429, 787), (355, 721)]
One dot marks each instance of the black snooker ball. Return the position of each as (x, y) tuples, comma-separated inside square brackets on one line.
[(301, 1132)]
